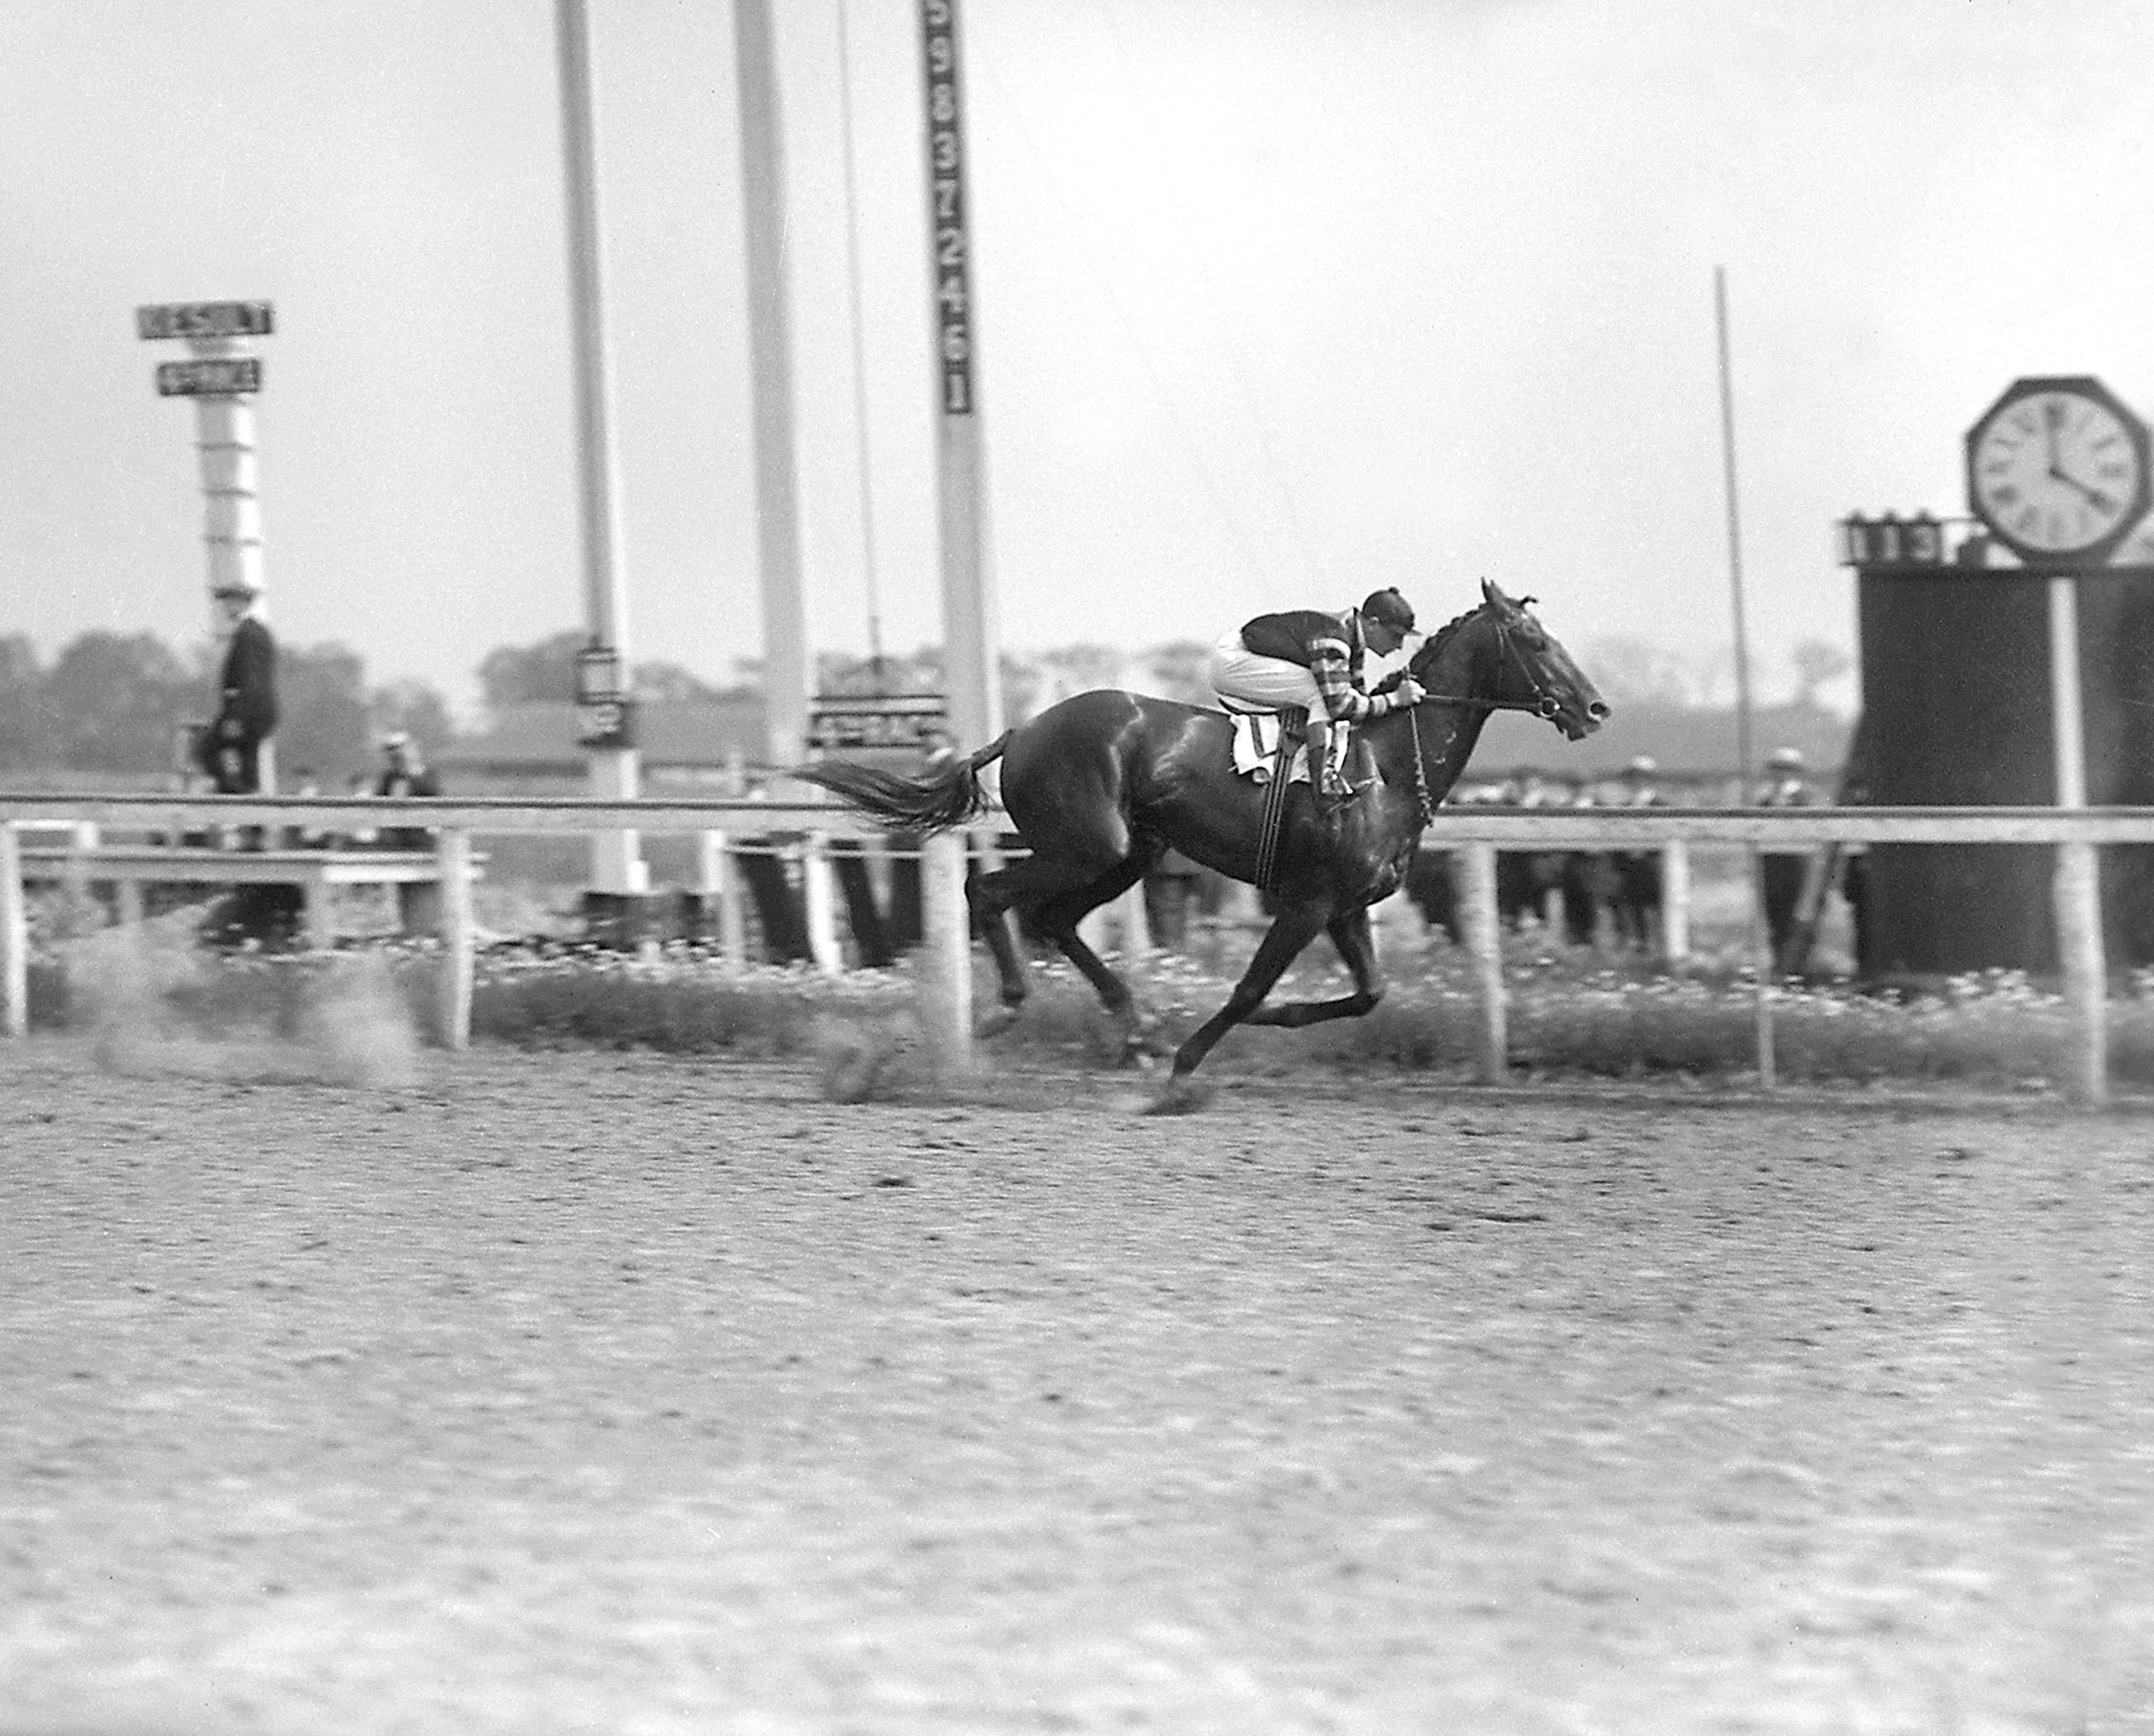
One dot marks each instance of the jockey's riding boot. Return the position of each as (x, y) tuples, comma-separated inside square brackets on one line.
[(1333, 791)]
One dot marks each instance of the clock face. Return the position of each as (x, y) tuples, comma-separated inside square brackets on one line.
[(2056, 471)]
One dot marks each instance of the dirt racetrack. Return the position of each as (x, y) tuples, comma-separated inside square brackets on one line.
[(583, 1393)]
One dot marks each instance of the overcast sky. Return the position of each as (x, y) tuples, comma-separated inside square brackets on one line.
[(1279, 300)]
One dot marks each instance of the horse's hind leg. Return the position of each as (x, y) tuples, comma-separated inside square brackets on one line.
[(1058, 917), (1031, 886)]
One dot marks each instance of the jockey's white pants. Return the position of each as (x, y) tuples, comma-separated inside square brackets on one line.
[(1272, 683)]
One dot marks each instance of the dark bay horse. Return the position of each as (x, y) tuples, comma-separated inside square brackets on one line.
[(1101, 786)]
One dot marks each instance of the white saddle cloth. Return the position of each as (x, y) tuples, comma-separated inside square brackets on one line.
[(1256, 742)]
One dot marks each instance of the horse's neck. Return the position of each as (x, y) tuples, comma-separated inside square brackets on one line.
[(1444, 733)]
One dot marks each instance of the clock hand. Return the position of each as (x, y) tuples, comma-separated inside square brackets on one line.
[(2053, 423), (2094, 497)]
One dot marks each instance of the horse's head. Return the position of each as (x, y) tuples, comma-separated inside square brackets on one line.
[(1515, 664)]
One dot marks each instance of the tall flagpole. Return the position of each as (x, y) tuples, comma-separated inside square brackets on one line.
[(785, 665), (617, 864), (1760, 941)]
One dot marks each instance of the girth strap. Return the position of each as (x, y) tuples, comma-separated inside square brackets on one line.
[(1293, 727)]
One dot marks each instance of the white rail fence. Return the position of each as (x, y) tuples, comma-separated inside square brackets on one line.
[(726, 827)]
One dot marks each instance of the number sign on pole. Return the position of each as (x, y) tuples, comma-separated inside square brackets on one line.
[(969, 613)]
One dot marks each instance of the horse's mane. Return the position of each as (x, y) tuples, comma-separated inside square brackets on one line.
[(1435, 640), (1430, 646)]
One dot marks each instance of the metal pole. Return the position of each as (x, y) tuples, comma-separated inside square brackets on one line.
[(870, 578), (785, 673), (617, 865), (969, 630), (2076, 893), (1761, 942)]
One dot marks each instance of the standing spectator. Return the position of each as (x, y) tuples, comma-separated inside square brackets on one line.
[(1783, 870), (1637, 901), (1523, 877), (1585, 876), (247, 694), (405, 773), (247, 699)]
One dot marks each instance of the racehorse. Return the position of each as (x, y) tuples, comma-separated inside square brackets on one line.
[(1102, 785)]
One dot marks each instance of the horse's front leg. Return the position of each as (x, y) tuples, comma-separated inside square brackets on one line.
[(1349, 933), (1297, 926)]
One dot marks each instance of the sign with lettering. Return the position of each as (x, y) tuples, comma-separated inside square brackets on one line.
[(206, 319), (209, 376), (950, 262), (849, 721), (606, 723)]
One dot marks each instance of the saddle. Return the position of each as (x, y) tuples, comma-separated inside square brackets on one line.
[(1264, 743), (1257, 738)]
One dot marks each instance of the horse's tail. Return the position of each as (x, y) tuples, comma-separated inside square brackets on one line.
[(934, 802)]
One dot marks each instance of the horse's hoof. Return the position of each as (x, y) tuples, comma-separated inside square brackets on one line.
[(1180, 1095)]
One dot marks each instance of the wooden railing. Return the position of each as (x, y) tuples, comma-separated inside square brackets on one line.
[(1473, 833)]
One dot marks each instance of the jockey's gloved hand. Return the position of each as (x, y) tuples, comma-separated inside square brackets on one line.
[(1409, 692)]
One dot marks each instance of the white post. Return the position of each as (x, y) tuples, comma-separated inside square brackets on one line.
[(452, 861), (819, 888), (1484, 940), (1674, 902), (785, 671), (946, 973), (14, 938), (719, 873), (231, 502), (2076, 891), (617, 864)]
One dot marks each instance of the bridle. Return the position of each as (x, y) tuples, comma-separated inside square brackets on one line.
[(1543, 704)]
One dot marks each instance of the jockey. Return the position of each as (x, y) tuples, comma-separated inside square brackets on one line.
[(1304, 656)]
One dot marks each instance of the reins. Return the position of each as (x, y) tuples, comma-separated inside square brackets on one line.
[(1543, 704)]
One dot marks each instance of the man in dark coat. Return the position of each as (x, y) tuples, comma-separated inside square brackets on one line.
[(404, 773), (1784, 870), (247, 695)]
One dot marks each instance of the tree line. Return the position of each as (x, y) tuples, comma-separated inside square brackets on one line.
[(112, 703)]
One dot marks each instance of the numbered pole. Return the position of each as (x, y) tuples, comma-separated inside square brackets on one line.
[(969, 624)]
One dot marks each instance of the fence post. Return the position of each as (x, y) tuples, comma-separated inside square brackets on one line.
[(946, 976), (818, 896), (1484, 940), (2077, 890), (717, 879), (452, 861), (14, 938), (1674, 902)]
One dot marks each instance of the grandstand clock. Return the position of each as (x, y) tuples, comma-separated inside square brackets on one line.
[(2057, 468)]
